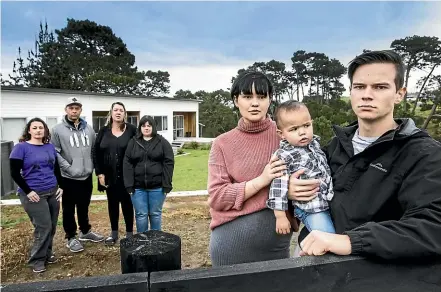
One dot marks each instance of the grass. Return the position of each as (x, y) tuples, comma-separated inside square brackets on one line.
[(190, 172)]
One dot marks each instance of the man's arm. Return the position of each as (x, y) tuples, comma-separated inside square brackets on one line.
[(55, 140), (418, 232)]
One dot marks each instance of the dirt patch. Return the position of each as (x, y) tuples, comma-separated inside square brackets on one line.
[(187, 217)]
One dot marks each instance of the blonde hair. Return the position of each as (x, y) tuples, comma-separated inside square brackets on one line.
[(109, 120)]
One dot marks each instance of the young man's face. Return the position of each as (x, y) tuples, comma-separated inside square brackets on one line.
[(296, 126), (373, 92)]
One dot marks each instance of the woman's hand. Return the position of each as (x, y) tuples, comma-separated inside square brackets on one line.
[(33, 197), (59, 194), (102, 180), (274, 169), (302, 189)]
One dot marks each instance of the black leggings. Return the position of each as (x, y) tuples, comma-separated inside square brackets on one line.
[(117, 194)]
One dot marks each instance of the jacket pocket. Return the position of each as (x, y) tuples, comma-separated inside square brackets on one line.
[(77, 167)]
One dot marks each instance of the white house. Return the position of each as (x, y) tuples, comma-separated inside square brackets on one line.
[(176, 118)]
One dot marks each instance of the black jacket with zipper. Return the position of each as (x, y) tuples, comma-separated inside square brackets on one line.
[(387, 198), (148, 164)]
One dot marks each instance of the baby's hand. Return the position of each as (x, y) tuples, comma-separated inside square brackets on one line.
[(282, 225)]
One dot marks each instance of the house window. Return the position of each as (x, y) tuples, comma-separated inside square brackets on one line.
[(132, 120), (98, 123), (51, 122), (161, 123), (12, 128)]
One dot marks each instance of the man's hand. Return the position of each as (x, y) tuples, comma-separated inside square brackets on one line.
[(319, 243), (102, 180), (302, 190), (283, 226)]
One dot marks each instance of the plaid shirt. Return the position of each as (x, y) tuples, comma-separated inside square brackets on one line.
[(313, 160)]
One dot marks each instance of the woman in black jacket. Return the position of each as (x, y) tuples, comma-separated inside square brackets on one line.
[(148, 173), (108, 155)]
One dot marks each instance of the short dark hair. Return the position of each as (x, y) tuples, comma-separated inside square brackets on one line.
[(290, 105), (384, 56), (26, 136), (243, 84), (151, 121)]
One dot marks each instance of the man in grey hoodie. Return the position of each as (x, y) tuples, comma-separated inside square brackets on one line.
[(73, 139)]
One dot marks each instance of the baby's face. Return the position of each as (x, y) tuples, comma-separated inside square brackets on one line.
[(296, 126)]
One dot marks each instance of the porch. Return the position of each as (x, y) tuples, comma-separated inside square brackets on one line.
[(184, 125)]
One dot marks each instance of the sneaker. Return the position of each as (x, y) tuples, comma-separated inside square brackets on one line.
[(39, 267), (52, 259), (74, 245), (91, 236), (110, 240)]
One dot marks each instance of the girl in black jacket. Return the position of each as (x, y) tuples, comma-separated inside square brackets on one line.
[(148, 173), (108, 154)]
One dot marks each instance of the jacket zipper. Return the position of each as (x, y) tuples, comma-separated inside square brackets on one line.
[(145, 164)]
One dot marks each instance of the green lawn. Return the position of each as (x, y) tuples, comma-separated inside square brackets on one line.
[(190, 172)]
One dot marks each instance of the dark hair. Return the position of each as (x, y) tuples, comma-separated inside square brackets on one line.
[(373, 57), (109, 121), (151, 121), (243, 84), (290, 105), (26, 136)]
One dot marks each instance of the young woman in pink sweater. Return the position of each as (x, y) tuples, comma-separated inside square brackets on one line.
[(240, 170)]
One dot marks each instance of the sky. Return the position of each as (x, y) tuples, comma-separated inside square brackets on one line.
[(203, 44)]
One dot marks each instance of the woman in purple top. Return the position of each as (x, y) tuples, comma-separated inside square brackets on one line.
[(34, 168)]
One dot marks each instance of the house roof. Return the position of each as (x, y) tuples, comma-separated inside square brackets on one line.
[(77, 92)]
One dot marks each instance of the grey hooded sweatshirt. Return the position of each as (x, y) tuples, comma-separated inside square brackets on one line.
[(74, 148)]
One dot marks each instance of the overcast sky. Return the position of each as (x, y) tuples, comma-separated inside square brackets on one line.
[(203, 44)]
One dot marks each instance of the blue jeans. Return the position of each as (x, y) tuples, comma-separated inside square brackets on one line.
[(148, 205), (315, 221)]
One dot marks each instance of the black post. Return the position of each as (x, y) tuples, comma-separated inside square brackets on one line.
[(150, 251)]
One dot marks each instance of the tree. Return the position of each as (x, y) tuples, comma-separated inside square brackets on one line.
[(431, 61), (434, 94), (216, 112), (299, 71), (153, 83), (414, 50), (184, 94), (85, 56)]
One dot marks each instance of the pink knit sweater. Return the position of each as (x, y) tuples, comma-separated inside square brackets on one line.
[(236, 157)]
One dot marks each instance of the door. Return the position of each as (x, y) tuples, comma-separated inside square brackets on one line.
[(178, 126)]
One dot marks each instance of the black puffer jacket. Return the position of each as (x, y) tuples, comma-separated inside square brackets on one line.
[(148, 164), (387, 199)]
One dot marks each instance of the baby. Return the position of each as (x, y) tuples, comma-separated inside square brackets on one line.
[(300, 149)]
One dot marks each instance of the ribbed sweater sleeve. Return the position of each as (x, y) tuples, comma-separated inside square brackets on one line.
[(237, 157), (224, 194)]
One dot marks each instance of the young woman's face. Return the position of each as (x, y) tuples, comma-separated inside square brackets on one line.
[(36, 130), (252, 107), (118, 113), (146, 130)]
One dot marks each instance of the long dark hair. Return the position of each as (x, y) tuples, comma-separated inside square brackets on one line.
[(26, 136), (151, 121), (109, 120)]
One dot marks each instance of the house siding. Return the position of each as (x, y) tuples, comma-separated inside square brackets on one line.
[(29, 104)]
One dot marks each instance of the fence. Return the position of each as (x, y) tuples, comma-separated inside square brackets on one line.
[(325, 274), (8, 185)]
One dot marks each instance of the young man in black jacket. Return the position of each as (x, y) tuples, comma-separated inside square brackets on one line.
[(386, 173)]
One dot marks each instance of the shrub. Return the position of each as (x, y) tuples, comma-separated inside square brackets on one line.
[(180, 151)]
